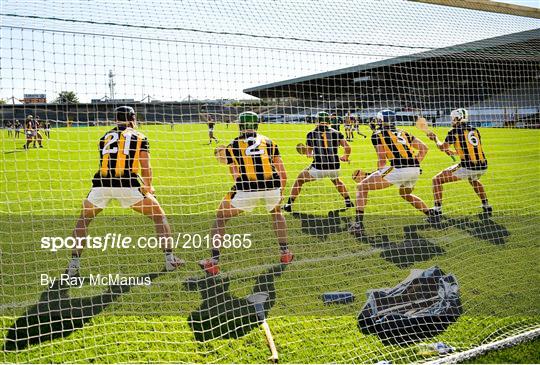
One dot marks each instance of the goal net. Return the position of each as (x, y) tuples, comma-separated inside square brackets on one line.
[(369, 171)]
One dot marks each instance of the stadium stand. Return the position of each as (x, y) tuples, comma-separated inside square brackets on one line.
[(490, 77)]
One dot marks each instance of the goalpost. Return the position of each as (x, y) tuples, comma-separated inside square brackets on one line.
[(304, 275)]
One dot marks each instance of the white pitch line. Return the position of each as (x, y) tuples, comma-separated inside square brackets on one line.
[(235, 273)]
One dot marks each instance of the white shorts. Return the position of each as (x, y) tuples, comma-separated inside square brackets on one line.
[(404, 177), (210, 130), (348, 127), (31, 134), (465, 173), (248, 200), (321, 174), (100, 197)]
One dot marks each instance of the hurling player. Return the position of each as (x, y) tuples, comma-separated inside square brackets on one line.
[(395, 147), (323, 146), (467, 144), (257, 169), (125, 175), (31, 131)]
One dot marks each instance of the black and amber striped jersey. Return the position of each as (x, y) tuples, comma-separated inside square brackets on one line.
[(325, 143), (253, 155), (397, 147), (119, 164), (468, 144), (210, 122), (30, 125)]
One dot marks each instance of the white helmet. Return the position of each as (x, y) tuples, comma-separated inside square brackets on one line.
[(460, 115)]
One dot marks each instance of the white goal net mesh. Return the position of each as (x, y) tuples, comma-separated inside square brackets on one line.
[(311, 198)]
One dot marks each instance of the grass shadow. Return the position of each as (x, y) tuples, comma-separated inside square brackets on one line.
[(13, 151), (485, 229), (414, 248), (322, 226), (57, 315), (221, 314)]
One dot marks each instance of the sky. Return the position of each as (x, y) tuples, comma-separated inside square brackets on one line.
[(209, 49), (530, 3)]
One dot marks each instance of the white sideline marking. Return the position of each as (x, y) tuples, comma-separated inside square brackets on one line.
[(234, 273), (257, 269), (17, 305)]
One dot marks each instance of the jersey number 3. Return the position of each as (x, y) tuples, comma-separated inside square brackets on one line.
[(400, 138)]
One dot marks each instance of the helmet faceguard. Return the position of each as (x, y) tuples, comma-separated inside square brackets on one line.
[(460, 115)]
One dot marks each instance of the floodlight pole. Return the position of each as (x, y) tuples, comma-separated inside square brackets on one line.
[(112, 84)]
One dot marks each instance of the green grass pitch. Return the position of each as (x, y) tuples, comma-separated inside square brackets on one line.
[(41, 194)]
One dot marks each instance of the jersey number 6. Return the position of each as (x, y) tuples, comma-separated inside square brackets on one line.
[(472, 138)]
